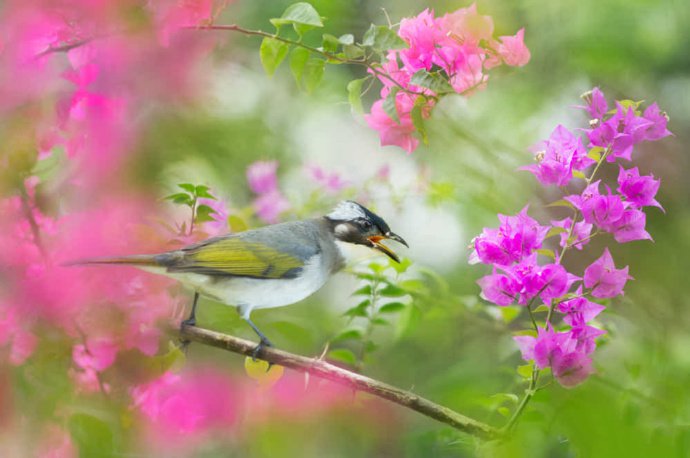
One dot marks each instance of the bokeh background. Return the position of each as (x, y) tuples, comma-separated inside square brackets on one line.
[(451, 347)]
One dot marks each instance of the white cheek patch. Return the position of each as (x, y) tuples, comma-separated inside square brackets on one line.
[(341, 230), (347, 211)]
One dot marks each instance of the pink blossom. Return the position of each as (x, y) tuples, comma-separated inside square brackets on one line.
[(517, 237), (548, 281), (658, 119), (558, 156), (220, 214), (466, 25), (97, 355), (500, 289), (579, 310), (422, 33), (174, 15), (182, 406), (330, 182), (571, 369), (631, 226), (638, 190), (620, 133), (262, 176), (270, 206), (512, 49), (603, 277), (580, 233), (596, 104), (392, 132)]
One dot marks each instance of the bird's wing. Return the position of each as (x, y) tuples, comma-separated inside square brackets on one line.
[(240, 257)]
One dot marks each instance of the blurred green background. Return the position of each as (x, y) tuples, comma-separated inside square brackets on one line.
[(455, 349)]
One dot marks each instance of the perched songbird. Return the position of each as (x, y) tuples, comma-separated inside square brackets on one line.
[(268, 267)]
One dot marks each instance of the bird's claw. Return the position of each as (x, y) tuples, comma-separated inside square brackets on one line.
[(262, 343)]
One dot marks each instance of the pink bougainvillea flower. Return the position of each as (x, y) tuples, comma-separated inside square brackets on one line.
[(558, 156), (638, 190), (597, 107), (179, 407), (423, 34), (579, 310), (512, 49), (630, 226), (571, 369), (220, 214), (517, 237), (331, 182), (390, 131), (270, 206), (466, 25), (97, 354), (499, 288), (580, 233), (262, 176), (603, 277), (658, 119)]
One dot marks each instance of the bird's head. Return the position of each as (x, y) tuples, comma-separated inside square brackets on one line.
[(353, 223)]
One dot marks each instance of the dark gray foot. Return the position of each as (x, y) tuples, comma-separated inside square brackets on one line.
[(263, 343)]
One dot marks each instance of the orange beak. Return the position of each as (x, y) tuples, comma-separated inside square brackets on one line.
[(377, 245)]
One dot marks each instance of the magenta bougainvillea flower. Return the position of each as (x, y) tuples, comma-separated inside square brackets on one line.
[(526, 271)]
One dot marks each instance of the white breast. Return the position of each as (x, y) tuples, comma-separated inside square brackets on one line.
[(252, 293)]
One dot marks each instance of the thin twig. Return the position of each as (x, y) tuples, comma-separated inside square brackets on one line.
[(344, 377)]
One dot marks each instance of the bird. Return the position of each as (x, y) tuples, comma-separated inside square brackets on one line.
[(271, 266)]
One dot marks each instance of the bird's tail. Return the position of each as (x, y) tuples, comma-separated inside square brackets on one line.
[(138, 260)]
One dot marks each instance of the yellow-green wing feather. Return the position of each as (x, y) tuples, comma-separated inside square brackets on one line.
[(239, 257)]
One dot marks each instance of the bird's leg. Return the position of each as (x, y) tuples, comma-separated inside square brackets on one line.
[(264, 342), (191, 321)]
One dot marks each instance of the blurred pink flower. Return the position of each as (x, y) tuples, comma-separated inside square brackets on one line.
[(219, 225), (55, 442), (603, 277), (466, 25), (262, 176), (512, 49), (331, 182), (269, 206), (181, 407)]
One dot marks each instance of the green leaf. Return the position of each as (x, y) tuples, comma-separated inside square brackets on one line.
[(579, 174), (363, 291), (203, 214), (392, 307), (181, 199), (561, 203), (381, 39), (202, 191), (347, 39), (525, 371), (555, 230), (237, 224), (412, 286), (330, 43), (354, 94), (417, 116), (272, 53), (359, 310), (408, 321), (402, 266), (541, 308), (301, 15), (93, 435), (298, 60), (379, 322), (502, 398), (546, 252), (343, 355), (389, 105), (349, 334), (392, 291), (509, 313), (504, 411), (595, 153), (434, 81), (353, 52), (313, 72), (190, 188)]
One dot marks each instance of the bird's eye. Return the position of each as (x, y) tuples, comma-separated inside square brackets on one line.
[(366, 224)]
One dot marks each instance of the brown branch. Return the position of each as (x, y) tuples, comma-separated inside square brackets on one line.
[(319, 368)]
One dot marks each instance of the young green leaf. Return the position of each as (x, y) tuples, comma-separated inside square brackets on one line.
[(389, 105), (313, 72), (392, 291), (202, 191), (298, 60), (347, 39), (417, 116), (272, 53), (181, 199), (190, 188), (363, 291), (349, 334), (380, 38), (330, 43), (434, 81), (343, 355), (302, 16), (353, 52), (354, 94), (392, 307), (203, 214), (359, 310)]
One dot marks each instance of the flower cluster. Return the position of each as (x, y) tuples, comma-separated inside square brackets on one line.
[(518, 274), (447, 54), (263, 181)]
